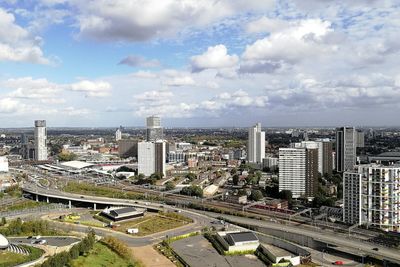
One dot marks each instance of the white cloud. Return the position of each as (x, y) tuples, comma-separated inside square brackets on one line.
[(27, 87), (92, 88), (216, 57), (16, 43), (9, 105), (180, 81), (265, 24), (303, 39), (146, 19)]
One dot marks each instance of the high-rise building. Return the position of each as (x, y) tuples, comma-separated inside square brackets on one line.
[(371, 195), (118, 135), (154, 131), (346, 144), (256, 144), (151, 157), (298, 171), (40, 140), (128, 148), (360, 137), (324, 147)]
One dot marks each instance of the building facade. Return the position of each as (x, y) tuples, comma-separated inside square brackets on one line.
[(298, 171), (154, 131), (346, 145), (373, 194), (151, 158), (40, 140), (128, 148), (256, 144), (118, 135)]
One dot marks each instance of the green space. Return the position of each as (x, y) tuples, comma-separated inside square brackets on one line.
[(89, 189), (34, 227), (8, 259), (21, 205), (12, 191), (100, 256), (44, 182), (77, 219), (151, 224)]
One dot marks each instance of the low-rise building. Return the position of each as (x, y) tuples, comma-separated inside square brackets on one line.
[(236, 241), (122, 213)]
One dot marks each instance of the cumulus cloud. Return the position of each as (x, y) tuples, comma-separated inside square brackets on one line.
[(9, 105), (17, 44), (146, 19), (215, 57), (27, 87), (303, 39), (139, 61), (180, 81), (92, 88)]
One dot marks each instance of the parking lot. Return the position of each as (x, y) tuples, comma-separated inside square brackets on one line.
[(57, 241), (198, 252)]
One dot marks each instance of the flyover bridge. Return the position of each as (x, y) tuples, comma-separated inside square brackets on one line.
[(70, 199)]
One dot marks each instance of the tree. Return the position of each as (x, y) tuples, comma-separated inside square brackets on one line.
[(156, 176), (256, 195), (3, 221), (233, 171), (242, 192), (193, 190), (64, 156), (235, 179), (169, 186), (191, 176), (286, 194)]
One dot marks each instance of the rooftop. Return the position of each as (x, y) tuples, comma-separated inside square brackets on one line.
[(75, 164), (243, 237)]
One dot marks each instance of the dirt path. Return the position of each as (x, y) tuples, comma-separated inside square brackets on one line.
[(150, 257)]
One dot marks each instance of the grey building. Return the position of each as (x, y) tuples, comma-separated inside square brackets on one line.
[(128, 148), (154, 131), (346, 144)]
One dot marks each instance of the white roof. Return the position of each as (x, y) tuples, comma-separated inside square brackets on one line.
[(76, 164), (3, 242)]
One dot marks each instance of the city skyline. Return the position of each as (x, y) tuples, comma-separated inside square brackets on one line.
[(214, 63)]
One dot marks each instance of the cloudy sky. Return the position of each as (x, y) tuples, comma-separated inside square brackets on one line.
[(200, 63)]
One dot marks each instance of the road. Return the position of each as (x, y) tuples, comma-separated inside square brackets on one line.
[(56, 241), (325, 236)]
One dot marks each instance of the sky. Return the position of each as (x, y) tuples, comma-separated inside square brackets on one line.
[(208, 63)]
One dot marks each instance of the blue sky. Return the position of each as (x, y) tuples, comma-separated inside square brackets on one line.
[(199, 63)]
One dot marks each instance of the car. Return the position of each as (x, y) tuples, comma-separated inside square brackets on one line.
[(30, 237), (337, 263), (376, 249), (82, 197)]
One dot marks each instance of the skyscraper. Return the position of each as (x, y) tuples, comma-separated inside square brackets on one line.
[(298, 171), (346, 144), (40, 140), (154, 130), (256, 144), (151, 157), (118, 135), (372, 195), (324, 147)]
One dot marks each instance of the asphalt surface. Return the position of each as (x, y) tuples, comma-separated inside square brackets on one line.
[(323, 236), (56, 241)]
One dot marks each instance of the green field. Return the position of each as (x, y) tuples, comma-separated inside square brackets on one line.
[(8, 259), (100, 256), (25, 204), (155, 223)]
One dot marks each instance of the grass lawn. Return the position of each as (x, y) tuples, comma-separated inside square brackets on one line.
[(8, 259), (153, 224), (100, 256), (26, 204)]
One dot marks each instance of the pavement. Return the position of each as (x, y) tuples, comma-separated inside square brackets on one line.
[(56, 241), (323, 236)]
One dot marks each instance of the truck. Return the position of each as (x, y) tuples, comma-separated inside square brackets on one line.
[(132, 230)]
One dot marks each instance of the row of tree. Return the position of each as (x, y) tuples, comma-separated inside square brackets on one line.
[(34, 227), (64, 258)]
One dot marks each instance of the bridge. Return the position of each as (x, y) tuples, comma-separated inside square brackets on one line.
[(50, 195)]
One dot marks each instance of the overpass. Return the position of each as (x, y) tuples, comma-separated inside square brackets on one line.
[(50, 195)]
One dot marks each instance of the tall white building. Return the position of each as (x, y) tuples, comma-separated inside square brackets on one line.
[(40, 140), (3, 164), (118, 135), (372, 195), (151, 157), (154, 130), (346, 145), (256, 144), (324, 147), (298, 171)]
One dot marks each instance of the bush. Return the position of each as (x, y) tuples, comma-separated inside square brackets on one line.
[(117, 246)]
